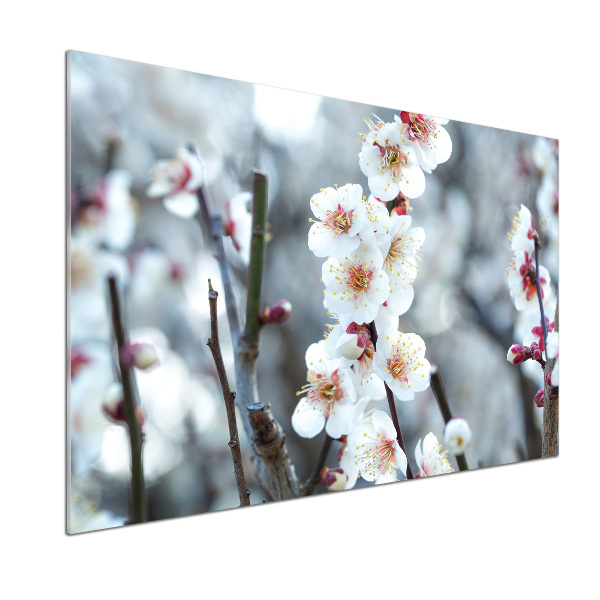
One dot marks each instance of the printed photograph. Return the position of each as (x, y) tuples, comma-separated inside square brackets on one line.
[(273, 294)]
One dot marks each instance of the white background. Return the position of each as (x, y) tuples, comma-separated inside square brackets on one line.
[(510, 531)]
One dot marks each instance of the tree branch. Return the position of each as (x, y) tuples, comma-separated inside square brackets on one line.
[(229, 398), (138, 512), (550, 428), (214, 223), (272, 465), (274, 469), (439, 391), (257, 260)]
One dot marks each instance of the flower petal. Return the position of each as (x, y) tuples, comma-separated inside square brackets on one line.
[(383, 425), (183, 205), (307, 421)]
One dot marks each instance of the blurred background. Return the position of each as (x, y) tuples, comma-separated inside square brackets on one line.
[(124, 116)]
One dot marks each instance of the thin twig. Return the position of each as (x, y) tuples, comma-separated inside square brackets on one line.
[(392, 406), (214, 222), (136, 438), (229, 398), (314, 478), (539, 293), (439, 391)]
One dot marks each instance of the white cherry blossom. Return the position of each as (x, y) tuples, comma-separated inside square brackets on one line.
[(376, 450), (521, 236), (356, 285), (342, 215), (352, 343), (109, 216), (521, 275), (430, 459), (544, 154), (389, 159), (378, 221), (238, 224), (532, 323), (547, 204), (329, 400), (432, 142), (346, 453), (177, 180), (400, 361), (400, 262)]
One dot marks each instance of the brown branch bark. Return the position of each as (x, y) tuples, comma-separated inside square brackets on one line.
[(272, 463), (550, 429), (139, 508), (229, 398), (274, 469)]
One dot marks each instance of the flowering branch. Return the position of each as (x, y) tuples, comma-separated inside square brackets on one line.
[(311, 484), (437, 385), (136, 438), (550, 427), (229, 397)]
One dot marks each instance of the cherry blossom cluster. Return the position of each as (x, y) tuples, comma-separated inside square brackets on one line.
[(524, 278), (371, 253)]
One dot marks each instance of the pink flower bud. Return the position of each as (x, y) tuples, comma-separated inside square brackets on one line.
[(549, 379), (278, 313), (333, 479), (539, 398), (536, 353), (140, 356), (517, 354), (114, 406), (78, 360), (176, 270)]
